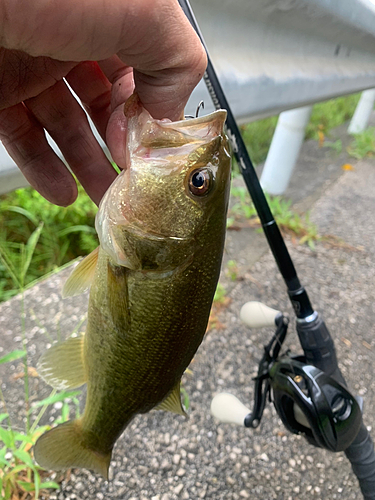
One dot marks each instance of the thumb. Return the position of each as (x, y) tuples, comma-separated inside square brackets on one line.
[(168, 62)]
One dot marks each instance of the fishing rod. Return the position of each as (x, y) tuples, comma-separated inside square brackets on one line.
[(297, 390)]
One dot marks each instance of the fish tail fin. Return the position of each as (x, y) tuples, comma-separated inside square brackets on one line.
[(63, 447)]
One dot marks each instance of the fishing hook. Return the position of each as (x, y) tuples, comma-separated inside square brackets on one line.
[(200, 105)]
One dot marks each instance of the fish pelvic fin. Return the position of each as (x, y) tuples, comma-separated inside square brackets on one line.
[(62, 366), (173, 403), (82, 275), (63, 447)]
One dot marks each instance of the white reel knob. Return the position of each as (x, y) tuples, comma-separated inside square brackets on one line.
[(228, 409), (258, 315)]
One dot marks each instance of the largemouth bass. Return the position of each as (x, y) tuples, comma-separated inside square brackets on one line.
[(161, 228)]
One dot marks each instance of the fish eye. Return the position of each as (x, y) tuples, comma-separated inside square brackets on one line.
[(200, 182)]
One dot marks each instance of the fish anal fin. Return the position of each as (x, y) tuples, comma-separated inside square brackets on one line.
[(63, 447), (172, 402), (82, 275), (62, 366)]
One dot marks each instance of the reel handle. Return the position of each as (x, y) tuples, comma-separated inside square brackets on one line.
[(229, 409), (257, 315)]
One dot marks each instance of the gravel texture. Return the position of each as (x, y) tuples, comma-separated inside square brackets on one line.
[(165, 457)]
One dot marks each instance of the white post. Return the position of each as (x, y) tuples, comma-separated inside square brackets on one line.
[(284, 150), (362, 112)]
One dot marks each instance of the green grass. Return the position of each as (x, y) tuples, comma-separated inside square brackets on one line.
[(20, 477), (287, 219), (232, 270), (257, 136), (220, 294), (363, 144), (53, 236), (37, 237), (325, 116), (330, 114), (19, 474), (336, 146)]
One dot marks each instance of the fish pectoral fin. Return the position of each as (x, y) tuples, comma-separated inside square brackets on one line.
[(62, 366), (173, 403), (82, 275), (63, 447)]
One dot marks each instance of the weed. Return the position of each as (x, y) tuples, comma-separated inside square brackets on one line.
[(243, 206), (335, 146), (232, 270), (325, 116), (37, 237), (288, 220), (330, 114), (220, 302), (18, 263), (185, 397), (363, 144), (257, 137), (20, 477), (219, 296)]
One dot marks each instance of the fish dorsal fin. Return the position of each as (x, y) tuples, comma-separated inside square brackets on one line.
[(62, 366), (173, 402), (82, 275)]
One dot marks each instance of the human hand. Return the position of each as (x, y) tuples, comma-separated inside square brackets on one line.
[(103, 48)]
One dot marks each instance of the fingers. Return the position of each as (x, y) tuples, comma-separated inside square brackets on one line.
[(25, 141), (94, 90), (55, 109), (169, 61), (59, 113), (23, 76), (104, 102), (121, 77)]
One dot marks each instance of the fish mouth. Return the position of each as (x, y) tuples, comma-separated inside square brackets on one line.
[(219, 115), (160, 134), (153, 133)]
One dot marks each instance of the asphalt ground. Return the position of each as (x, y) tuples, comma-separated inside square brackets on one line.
[(166, 457)]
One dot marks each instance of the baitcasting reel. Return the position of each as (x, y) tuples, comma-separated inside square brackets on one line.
[(308, 401)]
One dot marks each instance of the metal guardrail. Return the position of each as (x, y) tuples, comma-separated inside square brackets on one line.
[(275, 55)]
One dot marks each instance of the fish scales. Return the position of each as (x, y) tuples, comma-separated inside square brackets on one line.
[(161, 227)]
